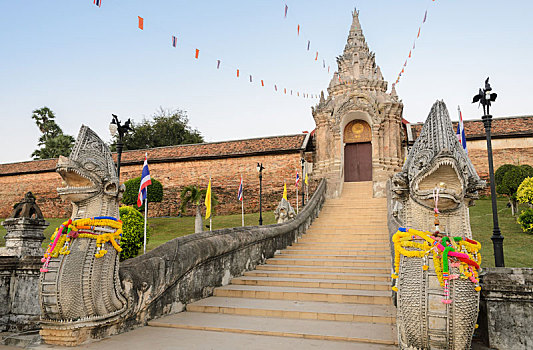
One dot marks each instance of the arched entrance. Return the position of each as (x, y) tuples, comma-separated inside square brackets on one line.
[(357, 152)]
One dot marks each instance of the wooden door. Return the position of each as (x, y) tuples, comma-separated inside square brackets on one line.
[(358, 162)]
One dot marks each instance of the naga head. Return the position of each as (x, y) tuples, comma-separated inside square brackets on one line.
[(89, 171), (438, 161)]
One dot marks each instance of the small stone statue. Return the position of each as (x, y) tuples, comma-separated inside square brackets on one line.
[(27, 208), (284, 212)]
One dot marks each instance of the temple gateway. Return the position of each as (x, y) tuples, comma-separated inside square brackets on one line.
[(359, 128)]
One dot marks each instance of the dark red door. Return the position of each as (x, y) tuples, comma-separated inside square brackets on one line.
[(358, 162)]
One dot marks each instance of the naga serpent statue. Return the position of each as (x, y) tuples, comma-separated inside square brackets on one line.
[(80, 288), (436, 260)]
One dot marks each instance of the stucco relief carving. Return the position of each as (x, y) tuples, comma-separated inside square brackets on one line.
[(357, 131)]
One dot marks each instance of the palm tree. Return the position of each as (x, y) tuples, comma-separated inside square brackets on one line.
[(193, 195)]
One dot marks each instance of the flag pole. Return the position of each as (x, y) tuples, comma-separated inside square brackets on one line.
[(145, 212), (145, 220), (242, 203), (210, 206), (296, 199)]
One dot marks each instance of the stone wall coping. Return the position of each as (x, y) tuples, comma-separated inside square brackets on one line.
[(505, 283), (10, 263)]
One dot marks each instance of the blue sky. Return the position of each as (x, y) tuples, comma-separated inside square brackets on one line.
[(86, 62)]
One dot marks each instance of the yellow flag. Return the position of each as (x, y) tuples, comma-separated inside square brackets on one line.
[(208, 201), (306, 178), (285, 191)]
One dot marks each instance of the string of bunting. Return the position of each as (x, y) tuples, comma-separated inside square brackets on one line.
[(286, 91), (409, 56), (314, 52)]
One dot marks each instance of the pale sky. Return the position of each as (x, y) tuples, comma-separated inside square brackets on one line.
[(86, 62)]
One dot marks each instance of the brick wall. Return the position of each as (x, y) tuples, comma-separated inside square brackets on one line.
[(176, 167), (512, 143)]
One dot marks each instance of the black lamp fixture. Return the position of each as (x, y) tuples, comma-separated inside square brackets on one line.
[(485, 97), (116, 127), (260, 169)]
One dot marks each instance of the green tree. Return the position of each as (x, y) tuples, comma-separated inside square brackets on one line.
[(167, 128), (53, 143), (498, 174), (154, 192), (510, 182), (193, 195)]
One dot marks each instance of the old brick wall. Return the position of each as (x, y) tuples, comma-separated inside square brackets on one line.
[(512, 143), (175, 175), (225, 179), (43, 185), (505, 151), (176, 167)]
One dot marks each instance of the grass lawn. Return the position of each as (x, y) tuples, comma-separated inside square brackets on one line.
[(517, 245), (165, 229)]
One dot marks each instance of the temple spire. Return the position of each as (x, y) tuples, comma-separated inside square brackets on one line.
[(355, 36)]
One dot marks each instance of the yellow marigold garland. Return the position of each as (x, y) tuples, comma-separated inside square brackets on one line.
[(406, 238), (111, 232)]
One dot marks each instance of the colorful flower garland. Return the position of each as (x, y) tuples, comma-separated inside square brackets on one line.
[(458, 252), (103, 229)]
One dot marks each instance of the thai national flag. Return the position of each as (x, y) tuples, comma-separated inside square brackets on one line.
[(241, 189), (461, 131), (145, 181), (297, 179), (97, 3)]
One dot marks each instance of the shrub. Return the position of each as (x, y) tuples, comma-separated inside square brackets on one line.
[(500, 172), (155, 192), (525, 219), (524, 193), (510, 182), (132, 232)]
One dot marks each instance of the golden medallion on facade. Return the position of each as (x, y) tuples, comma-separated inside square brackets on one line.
[(357, 131)]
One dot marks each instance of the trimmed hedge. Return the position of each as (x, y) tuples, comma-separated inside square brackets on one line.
[(155, 192), (132, 232)]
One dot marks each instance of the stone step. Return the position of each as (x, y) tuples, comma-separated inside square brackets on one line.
[(355, 230), (351, 296), (308, 329), (361, 256), (310, 283), (349, 233), (342, 245), (336, 269), (307, 310), (382, 277), (320, 251), (328, 262), (360, 239), (164, 338), (345, 224)]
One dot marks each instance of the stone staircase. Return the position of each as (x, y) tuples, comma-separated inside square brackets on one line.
[(333, 285)]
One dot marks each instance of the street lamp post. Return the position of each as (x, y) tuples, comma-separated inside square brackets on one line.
[(302, 160), (485, 97), (122, 130), (260, 169)]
